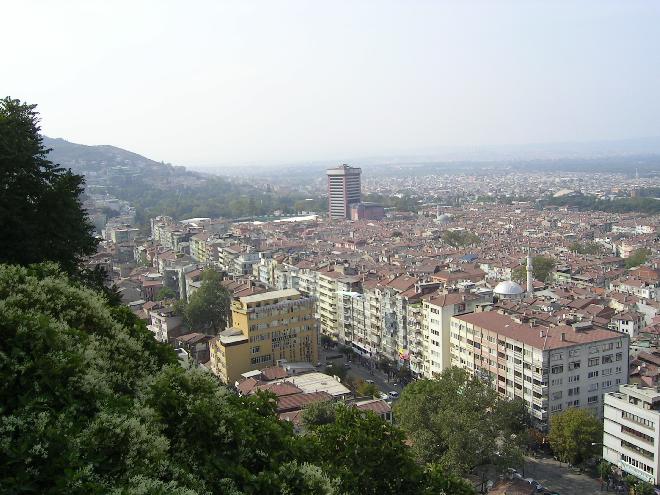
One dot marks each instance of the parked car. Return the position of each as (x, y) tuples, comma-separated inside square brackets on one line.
[(383, 396), (370, 382), (537, 486), (394, 394)]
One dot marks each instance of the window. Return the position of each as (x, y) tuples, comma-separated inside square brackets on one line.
[(557, 356), (607, 383), (593, 349), (608, 347), (556, 395), (619, 356), (574, 378), (592, 374), (618, 369), (574, 391), (556, 407), (638, 434), (592, 400), (574, 365), (557, 381), (636, 463), (637, 419), (593, 387), (255, 349), (607, 359), (574, 352), (594, 361), (557, 369)]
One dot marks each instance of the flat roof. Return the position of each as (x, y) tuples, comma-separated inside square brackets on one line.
[(318, 382), (266, 296)]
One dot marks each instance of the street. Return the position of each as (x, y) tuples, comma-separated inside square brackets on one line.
[(358, 371), (560, 478)]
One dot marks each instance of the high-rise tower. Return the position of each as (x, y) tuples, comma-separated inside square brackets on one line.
[(344, 189)]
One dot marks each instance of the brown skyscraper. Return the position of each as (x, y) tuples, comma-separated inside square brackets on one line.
[(344, 189)]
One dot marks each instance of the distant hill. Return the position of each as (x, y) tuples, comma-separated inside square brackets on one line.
[(98, 159)]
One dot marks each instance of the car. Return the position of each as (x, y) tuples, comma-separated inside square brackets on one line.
[(394, 394), (370, 382), (537, 486), (347, 366), (383, 396)]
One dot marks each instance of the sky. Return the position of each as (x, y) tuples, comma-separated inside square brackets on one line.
[(203, 83)]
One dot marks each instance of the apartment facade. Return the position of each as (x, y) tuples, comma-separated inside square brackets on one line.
[(550, 368), (266, 328), (437, 311), (631, 433)]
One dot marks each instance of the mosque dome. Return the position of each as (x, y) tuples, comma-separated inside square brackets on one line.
[(508, 288)]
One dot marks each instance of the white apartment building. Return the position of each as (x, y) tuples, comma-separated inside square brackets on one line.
[(631, 436), (550, 368), (437, 311)]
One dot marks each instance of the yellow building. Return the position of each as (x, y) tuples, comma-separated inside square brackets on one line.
[(267, 327)]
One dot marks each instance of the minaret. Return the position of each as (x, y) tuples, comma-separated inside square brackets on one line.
[(530, 268)]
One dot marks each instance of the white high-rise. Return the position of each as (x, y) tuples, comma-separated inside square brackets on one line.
[(631, 435), (344, 189)]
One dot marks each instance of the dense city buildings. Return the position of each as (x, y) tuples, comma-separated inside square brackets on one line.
[(550, 304), (344, 189)]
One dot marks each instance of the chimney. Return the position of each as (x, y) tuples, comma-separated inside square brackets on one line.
[(563, 336)]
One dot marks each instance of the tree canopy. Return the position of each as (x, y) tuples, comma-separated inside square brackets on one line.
[(541, 269), (460, 423), (90, 403), (208, 308), (573, 433), (460, 238), (41, 216), (639, 257)]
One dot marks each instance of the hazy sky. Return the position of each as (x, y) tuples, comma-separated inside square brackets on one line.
[(210, 82)]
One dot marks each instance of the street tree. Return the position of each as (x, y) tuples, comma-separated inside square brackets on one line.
[(365, 389), (459, 422), (575, 435), (368, 454)]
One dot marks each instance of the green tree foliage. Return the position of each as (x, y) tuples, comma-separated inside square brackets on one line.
[(441, 482), (318, 414), (460, 423), (208, 308), (592, 248), (165, 293), (644, 488), (460, 238), (541, 270), (41, 217), (368, 454), (90, 403), (365, 389), (639, 257), (620, 205), (572, 434), (336, 370)]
